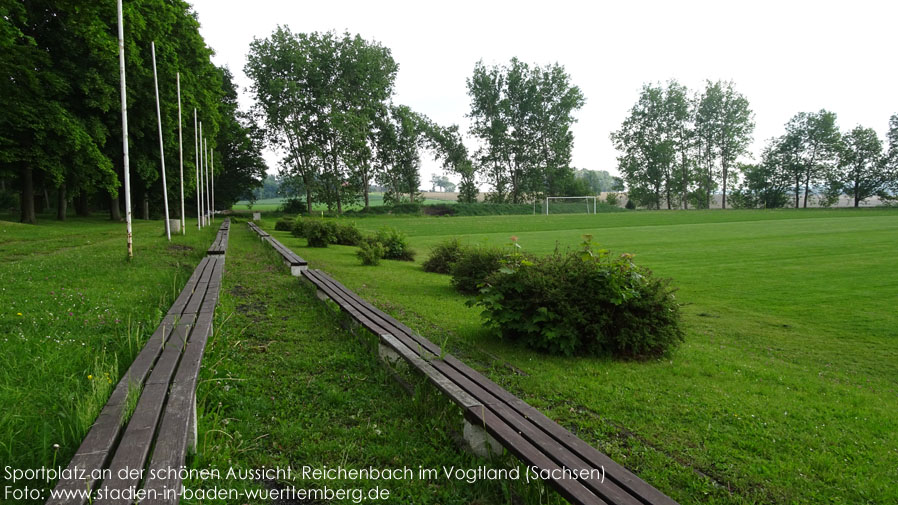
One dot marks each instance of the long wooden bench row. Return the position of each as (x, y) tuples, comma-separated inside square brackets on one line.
[(291, 259), (162, 426), (523, 430), (220, 244)]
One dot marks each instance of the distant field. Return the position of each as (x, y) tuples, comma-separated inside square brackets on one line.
[(374, 199), (786, 388)]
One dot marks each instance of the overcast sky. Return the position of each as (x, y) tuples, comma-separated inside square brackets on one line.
[(784, 56)]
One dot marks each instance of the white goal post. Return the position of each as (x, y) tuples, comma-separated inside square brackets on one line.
[(587, 198)]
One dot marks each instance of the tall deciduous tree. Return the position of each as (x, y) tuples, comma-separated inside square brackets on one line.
[(814, 137), (318, 96), (398, 155), (523, 117), (448, 146), (724, 124), (861, 171)]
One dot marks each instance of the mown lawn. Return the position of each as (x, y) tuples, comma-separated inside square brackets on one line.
[(786, 388)]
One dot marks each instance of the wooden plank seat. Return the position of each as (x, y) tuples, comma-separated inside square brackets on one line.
[(163, 424), (220, 244), (538, 441), (259, 231), (291, 259)]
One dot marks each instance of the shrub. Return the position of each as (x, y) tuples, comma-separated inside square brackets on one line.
[(583, 302), (294, 206), (631, 205), (284, 224), (472, 267), (612, 199), (370, 252), (442, 256), (347, 234), (319, 233), (395, 244)]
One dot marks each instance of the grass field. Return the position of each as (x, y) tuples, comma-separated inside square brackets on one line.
[(74, 314), (786, 388)]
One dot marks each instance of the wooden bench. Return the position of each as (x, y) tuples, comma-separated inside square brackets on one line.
[(163, 424), (491, 410), (220, 244), (296, 263), (259, 231)]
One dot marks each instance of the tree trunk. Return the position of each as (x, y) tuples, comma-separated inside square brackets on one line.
[(857, 200), (723, 197), (27, 203), (309, 200), (807, 189), (366, 193), (115, 213), (81, 204), (62, 203), (146, 207), (46, 200)]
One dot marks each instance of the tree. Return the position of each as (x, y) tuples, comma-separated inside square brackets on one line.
[(647, 152), (765, 184), (523, 117), (724, 125), (318, 96), (814, 138), (861, 171), (447, 145), (398, 155), (890, 192), (239, 147)]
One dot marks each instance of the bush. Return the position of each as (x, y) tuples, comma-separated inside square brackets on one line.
[(347, 234), (473, 266), (612, 199), (370, 252), (318, 233), (395, 244), (284, 224), (631, 205), (583, 302), (443, 255)]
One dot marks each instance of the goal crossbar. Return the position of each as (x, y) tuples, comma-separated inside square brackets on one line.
[(587, 198)]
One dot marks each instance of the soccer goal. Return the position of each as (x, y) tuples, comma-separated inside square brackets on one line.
[(572, 204)]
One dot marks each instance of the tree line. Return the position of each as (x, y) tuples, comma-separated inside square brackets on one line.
[(678, 149), (325, 100), (62, 113)]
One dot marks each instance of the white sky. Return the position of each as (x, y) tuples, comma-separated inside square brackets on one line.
[(784, 56)]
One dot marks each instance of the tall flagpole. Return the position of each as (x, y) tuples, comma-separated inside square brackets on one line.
[(212, 178), (208, 199), (161, 150), (121, 64), (181, 156), (202, 188), (196, 152)]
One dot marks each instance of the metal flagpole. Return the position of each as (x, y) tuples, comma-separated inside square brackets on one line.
[(181, 156), (121, 62), (201, 189), (161, 150), (208, 199), (196, 152), (212, 178)]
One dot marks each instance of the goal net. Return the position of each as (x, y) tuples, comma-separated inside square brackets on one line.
[(570, 205)]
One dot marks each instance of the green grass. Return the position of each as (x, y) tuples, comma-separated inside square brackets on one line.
[(786, 388), (73, 314), (283, 384)]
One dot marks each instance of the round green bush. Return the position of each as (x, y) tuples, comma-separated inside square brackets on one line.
[(319, 233), (472, 267), (370, 252), (285, 223), (395, 244), (583, 302), (347, 234), (442, 256)]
